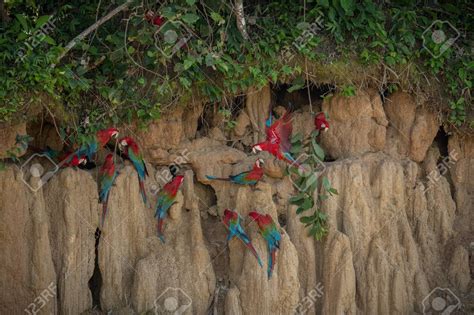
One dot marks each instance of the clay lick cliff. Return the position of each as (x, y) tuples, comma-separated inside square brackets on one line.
[(400, 228)]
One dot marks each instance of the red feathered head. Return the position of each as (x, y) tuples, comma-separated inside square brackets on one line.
[(105, 135), (81, 160), (176, 182), (229, 215), (263, 146), (321, 122), (255, 215), (126, 141)]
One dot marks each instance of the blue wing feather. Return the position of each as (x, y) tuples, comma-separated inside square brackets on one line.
[(138, 163)]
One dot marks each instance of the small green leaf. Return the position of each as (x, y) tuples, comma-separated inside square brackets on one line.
[(323, 216), (216, 17), (299, 210), (42, 20), (333, 191), (318, 151), (297, 200), (348, 6), (326, 183), (22, 21), (185, 82), (209, 60), (49, 40), (307, 204), (313, 231), (306, 220), (297, 137), (190, 2), (190, 18), (188, 63), (324, 3), (323, 197)]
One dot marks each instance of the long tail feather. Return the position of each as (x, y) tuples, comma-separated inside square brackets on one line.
[(142, 190), (104, 211), (217, 178), (246, 240), (230, 235), (159, 227), (271, 262), (254, 252)]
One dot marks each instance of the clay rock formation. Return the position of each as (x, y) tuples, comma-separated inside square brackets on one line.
[(8, 135), (167, 132), (358, 124), (398, 229), (412, 128), (26, 262)]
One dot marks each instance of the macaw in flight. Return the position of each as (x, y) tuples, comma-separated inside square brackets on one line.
[(277, 142)]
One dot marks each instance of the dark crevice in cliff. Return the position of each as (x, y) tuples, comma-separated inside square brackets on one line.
[(446, 158), (217, 113), (441, 140), (282, 220), (203, 123), (236, 106), (215, 234), (384, 93), (301, 97), (95, 282)]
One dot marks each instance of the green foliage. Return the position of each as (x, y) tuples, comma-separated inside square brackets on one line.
[(313, 187), (348, 90), (131, 69)]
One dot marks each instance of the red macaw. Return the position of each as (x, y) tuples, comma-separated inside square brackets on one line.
[(232, 221), (132, 152), (107, 175), (166, 198), (63, 159), (245, 178), (95, 142), (72, 159), (277, 140), (272, 236), (321, 122)]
